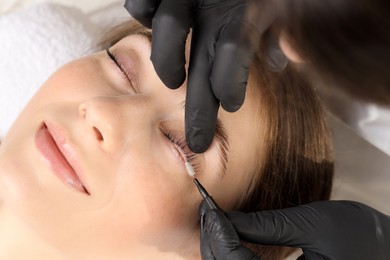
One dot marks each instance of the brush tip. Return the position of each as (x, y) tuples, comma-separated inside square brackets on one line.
[(190, 169)]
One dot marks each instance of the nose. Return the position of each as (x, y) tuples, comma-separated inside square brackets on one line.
[(113, 122)]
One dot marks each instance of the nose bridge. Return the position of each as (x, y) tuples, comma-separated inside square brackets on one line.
[(113, 120)]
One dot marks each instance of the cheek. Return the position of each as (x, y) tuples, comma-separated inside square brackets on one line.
[(150, 202)]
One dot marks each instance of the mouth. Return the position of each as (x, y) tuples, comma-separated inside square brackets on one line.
[(59, 156)]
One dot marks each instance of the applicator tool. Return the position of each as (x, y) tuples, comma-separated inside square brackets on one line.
[(190, 169), (209, 200)]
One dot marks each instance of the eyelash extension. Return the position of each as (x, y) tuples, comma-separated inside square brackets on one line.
[(182, 145), (125, 73)]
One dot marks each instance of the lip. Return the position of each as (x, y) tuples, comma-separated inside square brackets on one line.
[(60, 156)]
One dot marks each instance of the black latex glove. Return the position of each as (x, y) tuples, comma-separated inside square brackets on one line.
[(324, 230), (222, 46), (218, 239)]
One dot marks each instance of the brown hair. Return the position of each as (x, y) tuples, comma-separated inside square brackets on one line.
[(346, 42), (298, 166)]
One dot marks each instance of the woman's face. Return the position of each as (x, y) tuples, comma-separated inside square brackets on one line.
[(91, 164)]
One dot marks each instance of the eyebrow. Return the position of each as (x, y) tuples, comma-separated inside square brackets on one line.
[(223, 146), (146, 34)]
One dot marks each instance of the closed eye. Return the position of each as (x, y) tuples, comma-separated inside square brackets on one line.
[(125, 74), (182, 147)]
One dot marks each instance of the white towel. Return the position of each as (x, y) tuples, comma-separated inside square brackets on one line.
[(34, 42), (37, 40)]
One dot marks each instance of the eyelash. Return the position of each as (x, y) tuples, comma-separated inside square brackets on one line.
[(181, 145), (125, 73)]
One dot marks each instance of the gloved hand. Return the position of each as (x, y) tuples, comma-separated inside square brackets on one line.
[(222, 46), (323, 229), (218, 239)]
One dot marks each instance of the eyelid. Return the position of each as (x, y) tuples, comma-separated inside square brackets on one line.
[(179, 143), (127, 73)]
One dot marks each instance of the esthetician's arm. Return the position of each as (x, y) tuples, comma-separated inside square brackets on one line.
[(222, 47), (323, 229)]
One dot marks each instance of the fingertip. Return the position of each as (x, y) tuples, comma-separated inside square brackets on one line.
[(173, 76), (275, 60), (200, 125), (230, 90), (201, 109), (229, 77), (231, 96), (198, 138), (233, 58), (198, 142), (274, 57), (230, 107)]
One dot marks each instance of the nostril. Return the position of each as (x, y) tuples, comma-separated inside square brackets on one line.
[(98, 134)]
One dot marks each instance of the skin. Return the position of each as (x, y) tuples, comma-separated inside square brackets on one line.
[(142, 204), (288, 50)]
